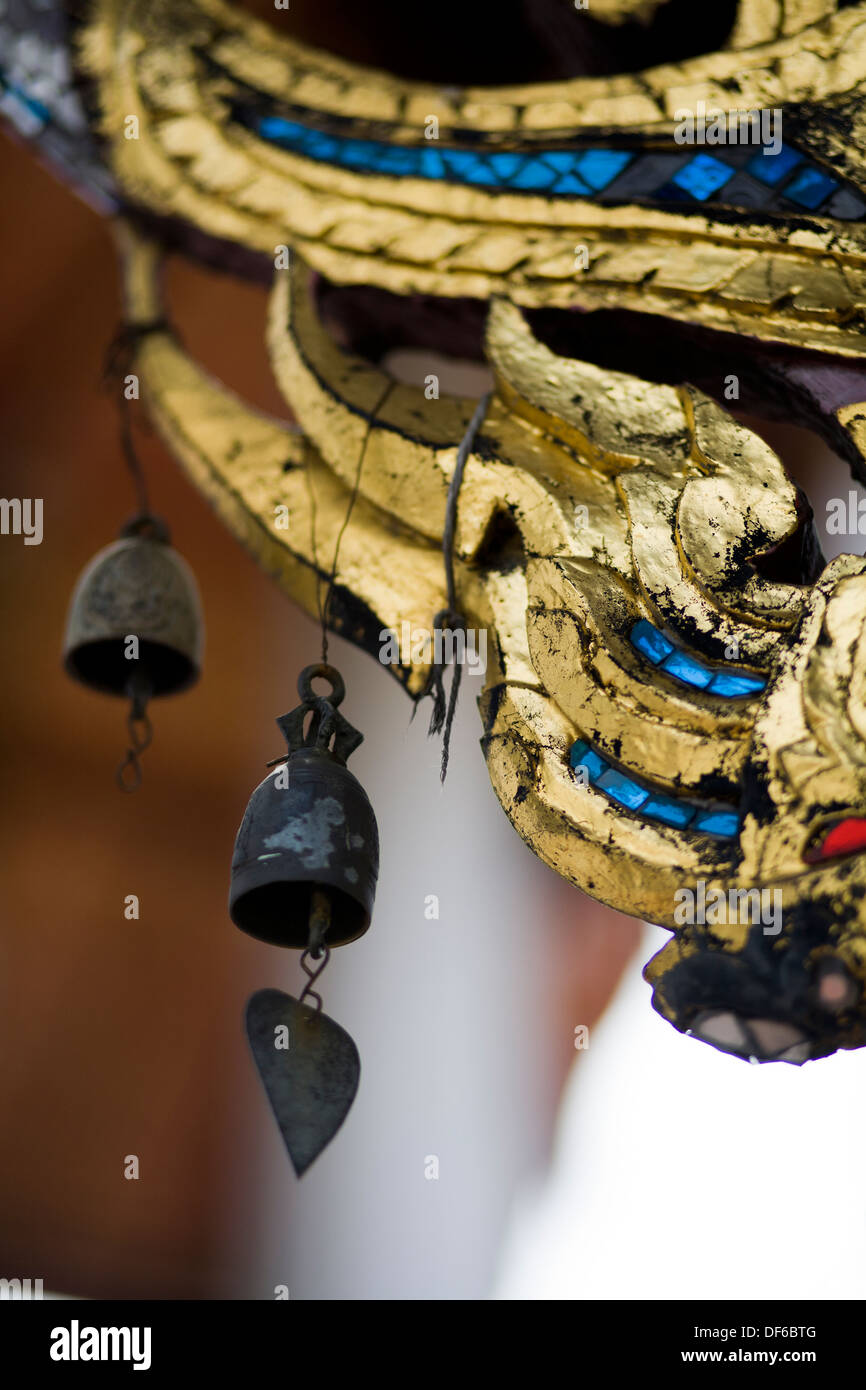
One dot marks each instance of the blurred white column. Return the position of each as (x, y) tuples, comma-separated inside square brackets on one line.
[(444, 1013), (681, 1172)]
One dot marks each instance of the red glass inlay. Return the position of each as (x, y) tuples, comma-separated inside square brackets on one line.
[(847, 837)]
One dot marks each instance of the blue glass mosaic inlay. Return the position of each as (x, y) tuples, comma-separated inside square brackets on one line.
[(582, 756), (717, 822), (733, 686), (574, 172), (811, 187), (690, 670), (669, 810), (721, 821), (702, 176), (654, 645), (687, 670), (772, 168), (622, 789), (600, 167), (785, 177)]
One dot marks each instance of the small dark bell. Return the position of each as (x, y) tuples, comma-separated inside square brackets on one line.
[(138, 587), (309, 834)]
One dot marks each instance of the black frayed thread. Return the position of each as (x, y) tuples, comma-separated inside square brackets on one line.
[(442, 717)]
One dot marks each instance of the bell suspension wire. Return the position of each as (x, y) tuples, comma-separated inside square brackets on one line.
[(320, 920), (140, 730), (442, 717), (326, 725), (325, 608), (320, 905), (118, 364)]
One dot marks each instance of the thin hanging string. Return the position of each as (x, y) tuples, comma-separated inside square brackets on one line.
[(140, 730), (325, 608), (118, 364), (442, 717), (319, 605), (320, 914), (133, 462)]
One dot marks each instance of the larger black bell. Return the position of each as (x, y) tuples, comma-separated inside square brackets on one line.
[(135, 620), (309, 835)]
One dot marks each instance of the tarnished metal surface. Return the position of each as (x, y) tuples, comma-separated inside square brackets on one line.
[(309, 1067), (138, 587), (309, 825)]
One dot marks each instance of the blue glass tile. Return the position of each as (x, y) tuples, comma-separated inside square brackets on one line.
[(810, 188), (702, 176), (394, 160), (277, 128), (505, 163), (477, 173), (725, 823), (669, 810), (321, 146), (648, 640), (312, 137), (461, 162), (563, 161), (622, 789), (360, 154), (583, 756), (772, 168), (570, 183), (600, 167), (431, 165), (731, 684), (483, 174), (686, 669), (534, 174)]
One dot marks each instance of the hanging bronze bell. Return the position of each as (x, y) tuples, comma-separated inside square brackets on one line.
[(138, 587), (306, 857), (135, 628)]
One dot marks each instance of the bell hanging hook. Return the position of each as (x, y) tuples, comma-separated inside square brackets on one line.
[(128, 775), (319, 922)]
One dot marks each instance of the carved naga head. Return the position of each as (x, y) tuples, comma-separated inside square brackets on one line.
[(674, 709)]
